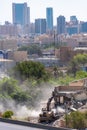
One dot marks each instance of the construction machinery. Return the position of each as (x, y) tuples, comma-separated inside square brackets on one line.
[(51, 113), (66, 100)]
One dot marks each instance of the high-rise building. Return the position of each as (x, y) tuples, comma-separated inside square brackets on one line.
[(61, 24), (83, 27), (49, 18), (72, 29), (40, 26), (21, 14), (32, 28), (73, 19)]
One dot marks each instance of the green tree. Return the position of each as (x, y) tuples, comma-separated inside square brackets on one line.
[(81, 74), (21, 97), (8, 86), (76, 120), (29, 69), (65, 80), (76, 63), (80, 58), (31, 49), (9, 89)]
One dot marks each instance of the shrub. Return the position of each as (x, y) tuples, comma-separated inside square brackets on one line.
[(7, 114)]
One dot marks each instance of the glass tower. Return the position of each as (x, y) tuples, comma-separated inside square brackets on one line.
[(83, 27), (73, 19), (40, 26), (21, 13), (61, 24), (49, 18)]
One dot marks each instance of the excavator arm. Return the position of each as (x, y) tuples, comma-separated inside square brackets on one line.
[(49, 103)]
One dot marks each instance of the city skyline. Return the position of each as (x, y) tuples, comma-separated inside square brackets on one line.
[(38, 9)]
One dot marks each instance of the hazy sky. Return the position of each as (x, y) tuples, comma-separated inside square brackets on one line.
[(38, 9)]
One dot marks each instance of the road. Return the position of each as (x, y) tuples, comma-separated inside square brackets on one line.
[(8, 126)]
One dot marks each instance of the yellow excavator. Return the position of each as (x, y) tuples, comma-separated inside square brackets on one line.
[(48, 114), (63, 99)]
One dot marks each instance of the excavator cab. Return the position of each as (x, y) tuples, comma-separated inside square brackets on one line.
[(46, 116)]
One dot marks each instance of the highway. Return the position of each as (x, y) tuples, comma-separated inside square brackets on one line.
[(8, 126)]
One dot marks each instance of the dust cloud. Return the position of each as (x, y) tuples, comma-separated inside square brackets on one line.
[(24, 111)]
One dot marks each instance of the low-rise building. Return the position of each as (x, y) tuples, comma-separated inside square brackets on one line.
[(8, 43), (17, 56)]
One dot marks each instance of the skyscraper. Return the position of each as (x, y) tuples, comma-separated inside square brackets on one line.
[(40, 26), (83, 27), (73, 29), (49, 18), (73, 20), (61, 24), (21, 14)]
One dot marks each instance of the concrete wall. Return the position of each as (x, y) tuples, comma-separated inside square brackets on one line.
[(70, 88)]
